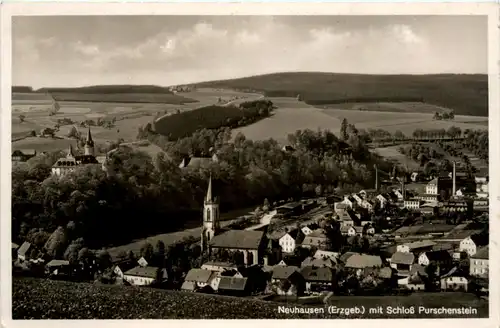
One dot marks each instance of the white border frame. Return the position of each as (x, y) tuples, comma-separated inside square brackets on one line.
[(39, 9)]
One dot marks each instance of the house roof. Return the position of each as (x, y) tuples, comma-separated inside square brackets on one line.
[(482, 253), (436, 228), (147, 272), (14, 246), (420, 244), (321, 254), (402, 258), (317, 274), (188, 285), (321, 262), (344, 257), (408, 230), (199, 275), (283, 272), (24, 248), (195, 162), (318, 233), (461, 234), (238, 239), (54, 263), (232, 283), (228, 265), (363, 261), (441, 255), (417, 269)]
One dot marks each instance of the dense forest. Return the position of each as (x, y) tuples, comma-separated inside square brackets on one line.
[(466, 94), (141, 196), (184, 124)]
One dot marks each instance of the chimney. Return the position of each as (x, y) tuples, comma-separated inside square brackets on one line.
[(266, 261), (376, 177), (454, 177)]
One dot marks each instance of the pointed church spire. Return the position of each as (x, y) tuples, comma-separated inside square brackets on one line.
[(209, 198), (89, 138)]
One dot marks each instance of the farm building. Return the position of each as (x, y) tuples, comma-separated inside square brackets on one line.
[(144, 276), (22, 155)]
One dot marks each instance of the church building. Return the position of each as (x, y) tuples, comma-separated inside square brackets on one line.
[(249, 244)]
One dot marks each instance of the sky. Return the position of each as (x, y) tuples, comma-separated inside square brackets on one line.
[(71, 51)]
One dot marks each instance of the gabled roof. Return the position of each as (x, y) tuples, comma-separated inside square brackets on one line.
[(317, 274), (385, 273), (363, 261), (408, 230), (24, 248), (283, 272), (227, 265), (482, 253), (238, 239), (188, 285), (344, 257), (232, 283), (417, 269), (402, 258), (147, 272), (200, 275), (461, 234), (322, 254), (55, 263), (420, 244), (321, 262)]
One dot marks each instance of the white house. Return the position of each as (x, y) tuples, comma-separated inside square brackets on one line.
[(144, 276), (454, 281), (306, 230), (358, 198), (288, 241), (432, 187), (382, 200), (479, 263), (350, 201), (199, 278), (348, 231), (412, 204), (468, 245), (218, 266), (439, 257), (367, 205), (402, 248)]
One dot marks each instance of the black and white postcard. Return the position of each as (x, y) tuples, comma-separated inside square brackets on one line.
[(250, 161)]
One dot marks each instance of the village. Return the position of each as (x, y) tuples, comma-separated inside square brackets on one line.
[(395, 239)]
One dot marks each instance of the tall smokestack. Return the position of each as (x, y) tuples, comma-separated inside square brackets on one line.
[(454, 177), (376, 177)]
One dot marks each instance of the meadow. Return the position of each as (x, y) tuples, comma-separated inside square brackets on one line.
[(292, 115), (392, 153), (129, 112), (47, 299)]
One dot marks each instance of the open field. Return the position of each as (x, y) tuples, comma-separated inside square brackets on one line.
[(467, 94), (292, 115), (129, 116), (392, 153), (47, 299), (287, 118), (396, 107)]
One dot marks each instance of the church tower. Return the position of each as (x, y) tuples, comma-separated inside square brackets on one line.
[(89, 145), (70, 154), (210, 217)]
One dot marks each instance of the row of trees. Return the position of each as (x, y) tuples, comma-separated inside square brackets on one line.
[(184, 124), (444, 116)]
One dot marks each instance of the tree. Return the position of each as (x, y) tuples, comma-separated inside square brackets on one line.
[(103, 259), (56, 244), (22, 118), (266, 207), (432, 277), (73, 133), (436, 116), (343, 130), (147, 251)]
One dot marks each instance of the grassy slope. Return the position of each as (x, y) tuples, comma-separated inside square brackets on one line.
[(43, 299), (466, 94)]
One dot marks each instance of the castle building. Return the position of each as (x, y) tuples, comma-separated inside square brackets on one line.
[(69, 163)]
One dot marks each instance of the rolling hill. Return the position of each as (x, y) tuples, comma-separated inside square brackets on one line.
[(465, 94)]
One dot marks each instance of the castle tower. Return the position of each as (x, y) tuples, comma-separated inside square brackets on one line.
[(210, 217), (70, 154), (89, 145)]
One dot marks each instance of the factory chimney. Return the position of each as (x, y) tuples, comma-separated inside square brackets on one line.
[(376, 177), (454, 177)]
